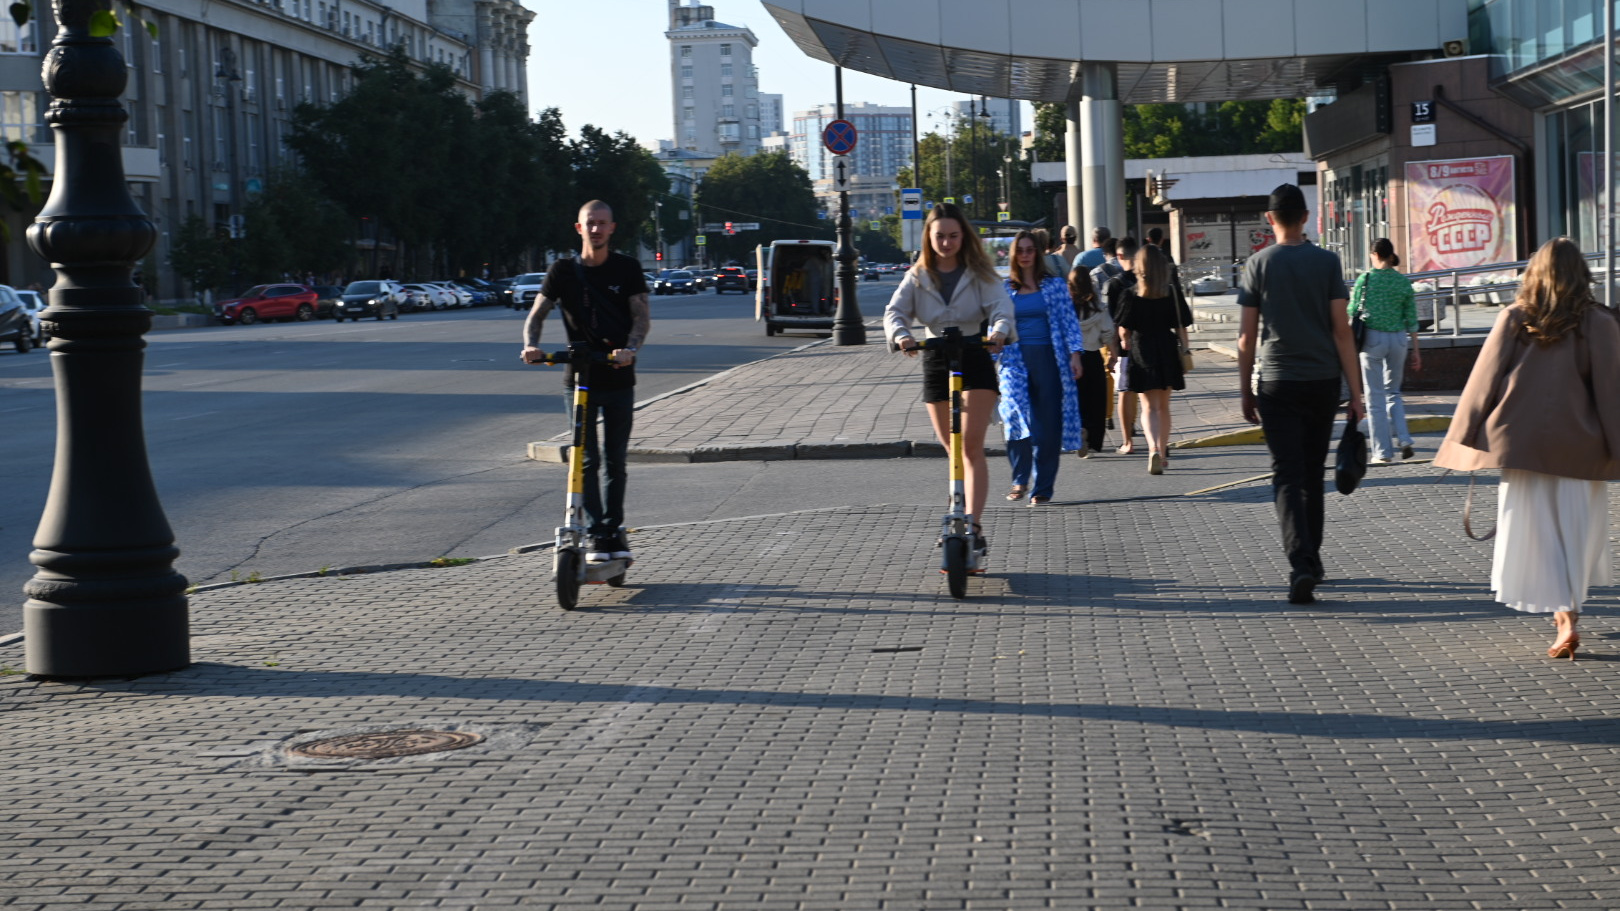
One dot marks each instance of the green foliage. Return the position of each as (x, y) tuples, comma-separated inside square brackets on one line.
[(882, 245), (766, 187), (970, 161), (1230, 128), (291, 228), (1051, 126), (199, 255), (622, 174)]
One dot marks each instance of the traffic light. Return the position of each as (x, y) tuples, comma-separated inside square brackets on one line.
[(730, 229), (658, 257)]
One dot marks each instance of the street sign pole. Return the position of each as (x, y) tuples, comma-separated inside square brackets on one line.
[(849, 327)]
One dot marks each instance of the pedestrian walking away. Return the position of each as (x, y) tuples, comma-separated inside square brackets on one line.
[(1040, 404), (603, 298), (1095, 256), (1540, 407), (953, 286), (1152, 326), (1096, 334), (1069, 250), (1294, 291), (1383, 298), (1113, 278)]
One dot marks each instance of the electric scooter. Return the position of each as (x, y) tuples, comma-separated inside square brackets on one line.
[(958, 557), (568, 556)]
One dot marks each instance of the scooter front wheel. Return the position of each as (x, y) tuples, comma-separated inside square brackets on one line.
[(956, 566), (567, 579)]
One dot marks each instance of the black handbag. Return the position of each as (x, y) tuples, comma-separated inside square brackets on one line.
[(1351, 464), (1358, 330)]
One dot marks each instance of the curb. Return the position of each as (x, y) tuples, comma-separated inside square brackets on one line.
[(557, 453), (1432, 423)]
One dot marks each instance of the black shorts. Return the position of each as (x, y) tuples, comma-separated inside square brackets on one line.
[(978, 372)]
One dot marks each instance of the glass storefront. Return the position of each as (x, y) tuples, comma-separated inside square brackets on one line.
[(1355, 211), (1576, 178)]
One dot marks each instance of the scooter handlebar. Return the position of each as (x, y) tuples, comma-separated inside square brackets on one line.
[(576, 356), (948, 341)]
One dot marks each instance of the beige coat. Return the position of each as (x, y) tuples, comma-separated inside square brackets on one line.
[(974, 301), (1553, 409)]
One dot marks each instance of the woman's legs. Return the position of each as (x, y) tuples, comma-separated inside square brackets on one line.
[(1394, 375), (1567, 639), (1156, 420), (1375, 373), (1021, 458), (1093, 387), (978, 405), (1046, 417)]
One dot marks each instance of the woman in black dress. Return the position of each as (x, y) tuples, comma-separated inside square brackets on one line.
[(1153, 323)]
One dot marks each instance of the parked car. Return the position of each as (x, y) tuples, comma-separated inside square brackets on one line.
[(430, 296), (268, 302), (503, 291), (370, 298), (675, 281), (326, 299), (482, 292), (525, 288), (35, 303), (16, 322), (730, 278), (460, 297), (753, 278), (703, 279)]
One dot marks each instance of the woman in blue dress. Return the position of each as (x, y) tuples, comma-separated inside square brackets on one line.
[(1040, 405)]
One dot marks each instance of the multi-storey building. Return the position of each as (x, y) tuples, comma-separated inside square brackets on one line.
[(210, 98), (1003, 114), (772, 116), (716, 104)]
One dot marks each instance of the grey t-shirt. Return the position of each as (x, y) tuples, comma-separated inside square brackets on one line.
[(1292, 285), (948, 282)]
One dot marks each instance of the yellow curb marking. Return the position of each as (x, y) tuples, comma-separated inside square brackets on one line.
[(1432, 423)]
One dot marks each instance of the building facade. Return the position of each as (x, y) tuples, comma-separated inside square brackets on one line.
[(211, 97), (716, 103), (1004, 114), (882, 148)]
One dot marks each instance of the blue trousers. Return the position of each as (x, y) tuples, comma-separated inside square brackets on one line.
[(1035, 458)]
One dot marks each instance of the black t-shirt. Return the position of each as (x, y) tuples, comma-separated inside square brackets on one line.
[(602, 317)]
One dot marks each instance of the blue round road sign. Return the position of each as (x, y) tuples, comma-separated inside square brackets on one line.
[(839, 137)]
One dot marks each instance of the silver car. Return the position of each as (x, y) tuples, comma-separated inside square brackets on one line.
[(34, 302)]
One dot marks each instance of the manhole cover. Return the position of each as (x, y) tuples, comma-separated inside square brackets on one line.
[(386, 744)]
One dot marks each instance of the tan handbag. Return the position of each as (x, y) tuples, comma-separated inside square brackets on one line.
[(1186, 360)]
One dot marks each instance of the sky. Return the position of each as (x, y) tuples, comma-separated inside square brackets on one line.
[(606, 62)]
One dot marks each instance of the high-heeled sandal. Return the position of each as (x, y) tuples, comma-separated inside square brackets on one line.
[(1565, 648), (1017, 492), (1039, 501)]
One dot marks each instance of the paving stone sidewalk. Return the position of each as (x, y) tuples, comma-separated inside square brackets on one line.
[(826, 401), (788, 713)]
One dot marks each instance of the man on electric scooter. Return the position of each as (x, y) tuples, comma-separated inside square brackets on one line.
[(603, 297)]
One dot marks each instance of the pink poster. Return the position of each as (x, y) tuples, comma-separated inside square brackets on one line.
[(1461, 212)]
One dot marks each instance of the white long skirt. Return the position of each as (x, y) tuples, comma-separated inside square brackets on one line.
[(1552, 541)]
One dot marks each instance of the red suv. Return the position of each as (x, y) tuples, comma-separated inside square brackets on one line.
[(260, 302)]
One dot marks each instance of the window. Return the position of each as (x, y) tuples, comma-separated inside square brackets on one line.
[(686, 92), (250, 130), (163, 153), (728, 110), (686, 71), (725, 69), (15, 39), (686, 51), (188, 124), (157, 56), (222, 126), (19, 116), (725, 50), (725, 91), (180, 60)]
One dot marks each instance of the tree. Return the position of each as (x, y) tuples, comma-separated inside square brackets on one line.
[(291, 228), (970, 162), (767, 187), (618, 171), (199, 256)]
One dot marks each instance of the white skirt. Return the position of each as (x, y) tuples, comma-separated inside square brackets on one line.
[(1552, 541)]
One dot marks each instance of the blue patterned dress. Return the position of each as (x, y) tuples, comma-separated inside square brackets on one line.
[(1014, 378)]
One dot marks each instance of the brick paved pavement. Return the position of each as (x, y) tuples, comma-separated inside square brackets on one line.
[(787, 712)]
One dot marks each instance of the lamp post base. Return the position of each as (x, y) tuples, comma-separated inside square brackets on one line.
[(126, 639)]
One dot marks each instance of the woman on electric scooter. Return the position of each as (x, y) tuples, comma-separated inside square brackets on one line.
[(953, 285)]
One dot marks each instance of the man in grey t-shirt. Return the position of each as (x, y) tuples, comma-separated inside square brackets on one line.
[(1293, 300)]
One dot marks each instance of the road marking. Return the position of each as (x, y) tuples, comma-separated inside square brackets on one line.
[(190, 416), (161, 366)]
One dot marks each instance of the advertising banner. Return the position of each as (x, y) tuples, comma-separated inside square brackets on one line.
[(1460, 212)]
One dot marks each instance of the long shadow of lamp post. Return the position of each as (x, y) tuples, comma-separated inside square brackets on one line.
[(106, 599)]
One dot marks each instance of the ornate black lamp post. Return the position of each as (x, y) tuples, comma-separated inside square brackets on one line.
[(106, 600), (849, 327)]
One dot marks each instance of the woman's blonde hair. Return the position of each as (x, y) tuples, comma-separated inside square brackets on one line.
[(1556, 291), (1152, 272), (1042, 272), (972, 253)]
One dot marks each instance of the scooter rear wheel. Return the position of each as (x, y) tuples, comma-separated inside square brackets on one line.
[(567, 579), (956, 566)]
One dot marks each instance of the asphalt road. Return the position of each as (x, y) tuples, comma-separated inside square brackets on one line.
[(288, 447)]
